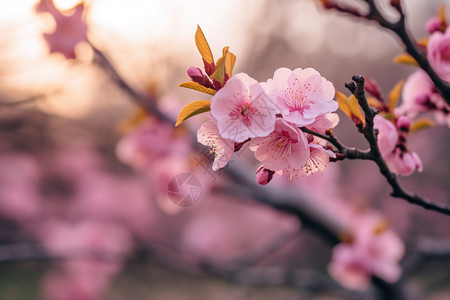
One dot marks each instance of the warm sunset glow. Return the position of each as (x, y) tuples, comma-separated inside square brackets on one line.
[(66, 4)]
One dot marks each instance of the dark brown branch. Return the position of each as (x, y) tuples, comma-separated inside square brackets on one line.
[(342, 152), (357, 88), (399, 28)]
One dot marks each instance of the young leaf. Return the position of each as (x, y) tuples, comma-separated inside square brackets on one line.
[(405, 59), (420, 124), (374, 102), (203, 46), (198, 87), (394, 95), (219, 73), (193, 109), (350, 107), (229, 64), (423, 42), (441, 14)]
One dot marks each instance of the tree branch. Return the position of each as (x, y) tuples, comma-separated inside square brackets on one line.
[(357, 89)]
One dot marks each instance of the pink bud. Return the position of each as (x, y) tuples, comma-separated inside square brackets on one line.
[(263, 175), (372, 87), (433, 25), (197, 76), (195, 73), (403, 123)]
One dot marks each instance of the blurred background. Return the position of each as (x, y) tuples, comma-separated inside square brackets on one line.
[(84, 206)]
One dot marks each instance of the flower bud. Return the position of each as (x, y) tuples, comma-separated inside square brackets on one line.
[(263, 175), (433, 25), (403, 123), (197, 76), (195, 73), (372, 88)]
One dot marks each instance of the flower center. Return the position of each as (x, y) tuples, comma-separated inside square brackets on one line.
[(245, 112), (298, 97)]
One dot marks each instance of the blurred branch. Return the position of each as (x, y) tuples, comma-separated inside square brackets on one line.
[(399, 28), (434, 248)]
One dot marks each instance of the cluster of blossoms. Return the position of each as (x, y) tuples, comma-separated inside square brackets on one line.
[(268, 115), (393, 129), (419, 93), (373, 249)]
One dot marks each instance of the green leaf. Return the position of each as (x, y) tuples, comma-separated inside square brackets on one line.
[(193, 109), (198, 87)]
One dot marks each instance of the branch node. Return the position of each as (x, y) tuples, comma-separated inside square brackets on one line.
[(351, 86)]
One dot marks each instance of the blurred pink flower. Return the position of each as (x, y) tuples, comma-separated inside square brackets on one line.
[(225, 229), (19, 174), (374, 251), (420, 95), (302, 95), (393, 148), (242, 109), (92, 251), (433, 24), (438, 49), (59, 285), (223, 149), (70, 30), (286, 147), (86, 239), (151, 140)]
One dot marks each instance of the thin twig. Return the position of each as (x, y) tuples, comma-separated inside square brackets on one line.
[(343, 151)]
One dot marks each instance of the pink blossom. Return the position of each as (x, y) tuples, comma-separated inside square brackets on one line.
[(374, 251), (324, 123), (223, 149), (70, 30), (393, 148), (438, 49), (151, 140), (242, 109), (419, 95), (286, 147), (387, 135), (19, 175), (302, 95), (403, 162), (317, 162)]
